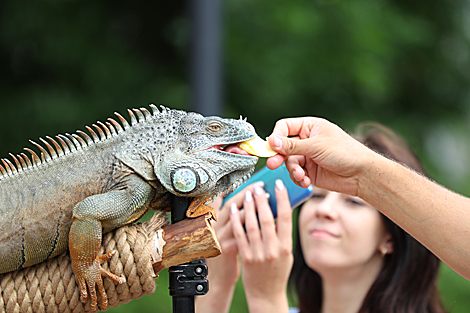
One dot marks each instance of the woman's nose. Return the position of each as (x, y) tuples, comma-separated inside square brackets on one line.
[(327, 208)]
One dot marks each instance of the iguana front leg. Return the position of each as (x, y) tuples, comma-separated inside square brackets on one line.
[(198, 207), (103, 212)]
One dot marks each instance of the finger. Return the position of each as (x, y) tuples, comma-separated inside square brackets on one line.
[(224, 215), (251, 220), (238, 231), (296, 167), (265, 215), (290, 126), (284, 212), (275, 161)]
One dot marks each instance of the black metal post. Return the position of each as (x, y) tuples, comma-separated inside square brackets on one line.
[(186, 280), (206, 77)]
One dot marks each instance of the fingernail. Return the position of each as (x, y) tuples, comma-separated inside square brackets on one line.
[(279, 184), (248, 196), (258, 184), (268, 195), (277, 142), (258, 190), (302, 183), (293, 174), (233, 208)]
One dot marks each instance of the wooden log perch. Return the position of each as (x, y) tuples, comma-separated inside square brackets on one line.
[(141, 251), (188, 240)]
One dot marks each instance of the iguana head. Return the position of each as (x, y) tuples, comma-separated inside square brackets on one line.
[(189, 154), (205, 158)]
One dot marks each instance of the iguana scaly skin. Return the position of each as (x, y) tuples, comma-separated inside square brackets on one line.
[(84, 186)]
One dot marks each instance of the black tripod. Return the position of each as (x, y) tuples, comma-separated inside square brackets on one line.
[(186, 280)]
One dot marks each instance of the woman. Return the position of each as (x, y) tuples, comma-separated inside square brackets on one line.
[(340, 236), (348, 257)]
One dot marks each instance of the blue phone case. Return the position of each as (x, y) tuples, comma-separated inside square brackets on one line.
[(297, 195)]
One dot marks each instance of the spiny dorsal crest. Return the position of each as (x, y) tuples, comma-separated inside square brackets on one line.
[(69, 143)]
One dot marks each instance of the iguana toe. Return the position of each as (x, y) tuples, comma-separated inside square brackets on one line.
[(202, 209), (90, 280)]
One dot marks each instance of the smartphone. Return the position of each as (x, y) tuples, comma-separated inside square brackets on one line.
[(297, 195)]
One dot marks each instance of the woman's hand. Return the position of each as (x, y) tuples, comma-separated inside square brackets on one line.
[(265, 248), (224, 270)]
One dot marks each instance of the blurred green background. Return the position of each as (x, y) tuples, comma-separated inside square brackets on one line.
[(406, 64)]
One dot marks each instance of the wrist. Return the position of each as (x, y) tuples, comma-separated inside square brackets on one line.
[(375, 168), (268, 304)]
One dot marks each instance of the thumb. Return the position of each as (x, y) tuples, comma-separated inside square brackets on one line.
[(289, 146)]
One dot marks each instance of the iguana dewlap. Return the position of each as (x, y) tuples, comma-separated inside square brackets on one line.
[(86, 185)]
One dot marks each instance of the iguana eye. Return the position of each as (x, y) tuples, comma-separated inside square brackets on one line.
[(214, 127)]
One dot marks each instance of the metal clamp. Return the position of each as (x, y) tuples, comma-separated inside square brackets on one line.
[(188, 279)]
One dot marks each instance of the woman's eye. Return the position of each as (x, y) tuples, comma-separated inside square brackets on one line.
[(355, 202), (318, 196)]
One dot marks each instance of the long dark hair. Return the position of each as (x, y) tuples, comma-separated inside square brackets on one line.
[(407, 282)]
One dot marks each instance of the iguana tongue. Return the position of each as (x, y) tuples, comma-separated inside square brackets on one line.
[(235, 149)]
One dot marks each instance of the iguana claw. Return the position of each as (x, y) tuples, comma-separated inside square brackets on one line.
[(198, 208), (90, 276)]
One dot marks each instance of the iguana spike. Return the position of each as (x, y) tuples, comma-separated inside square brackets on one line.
[(75, 141), (117, 126), (147, 114), (100, 131), (51, 150), (133, 119), (86, 137), (112, 129), (12, 167), (60, 152), (4, 172), (154, 109), (23, 164), (69, 143), (25, 159), (18, 165), (46, 155), (36, 159), (42, 158), (80, 140), (64, 145), (108, 133), (124, 122), (164, 109), (7, 166), (92, 132), (139, 115)]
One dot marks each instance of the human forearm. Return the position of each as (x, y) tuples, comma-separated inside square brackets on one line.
[(437, 217), (272, 304), (218, 300)]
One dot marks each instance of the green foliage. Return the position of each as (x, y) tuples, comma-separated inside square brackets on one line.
[(66, 64)]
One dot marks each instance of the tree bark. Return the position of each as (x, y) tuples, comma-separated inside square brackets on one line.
[(185, 241)]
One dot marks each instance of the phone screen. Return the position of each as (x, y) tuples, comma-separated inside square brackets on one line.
[(297, 195)]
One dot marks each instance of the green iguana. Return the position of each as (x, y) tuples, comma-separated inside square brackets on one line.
[(84, 186)]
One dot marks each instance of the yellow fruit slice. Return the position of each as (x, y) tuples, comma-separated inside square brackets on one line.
[(258, 147)]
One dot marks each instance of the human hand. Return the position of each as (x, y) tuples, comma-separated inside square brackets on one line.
[(224, 270), (265, 249), (320, 153)]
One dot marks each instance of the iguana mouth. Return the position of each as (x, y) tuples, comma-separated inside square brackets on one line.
[(232, 148)]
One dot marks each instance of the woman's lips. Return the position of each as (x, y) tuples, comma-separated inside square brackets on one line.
[(322, 234)]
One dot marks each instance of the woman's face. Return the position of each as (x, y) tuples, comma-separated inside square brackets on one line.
[(338, 231)]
